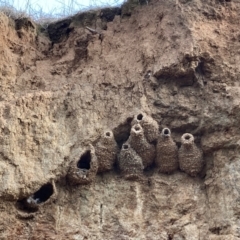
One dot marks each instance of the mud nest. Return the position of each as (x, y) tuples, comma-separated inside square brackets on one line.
[(84, 169)]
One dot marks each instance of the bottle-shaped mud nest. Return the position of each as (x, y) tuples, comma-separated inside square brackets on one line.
[(167, 153), (190, 156), (142, 147), (149, 125), (130, 163), (84, 169), (106, 151)]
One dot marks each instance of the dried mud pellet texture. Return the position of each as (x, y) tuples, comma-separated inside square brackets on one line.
[(190, 156), (84, 169), (149, 125), (167, 153), (142, 147), (106, 151), (130, 163)]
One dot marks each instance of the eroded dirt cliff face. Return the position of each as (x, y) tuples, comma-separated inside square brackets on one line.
[(177, 61)]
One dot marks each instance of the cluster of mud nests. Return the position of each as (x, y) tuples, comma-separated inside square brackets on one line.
[(141, 146)]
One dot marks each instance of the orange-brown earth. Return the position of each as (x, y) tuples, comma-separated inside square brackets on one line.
[(62, 86)]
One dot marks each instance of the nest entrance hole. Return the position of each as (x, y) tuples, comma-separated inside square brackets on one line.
[(139, 117), (187, 137), (85, 160), (166, 131), (30, 203), (108, 134), (44, 193)]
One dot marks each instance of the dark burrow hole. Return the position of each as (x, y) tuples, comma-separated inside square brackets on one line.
[(42, 195), (58, 30), (139, 117), (122, 132), (85, 160), (108, 14)]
